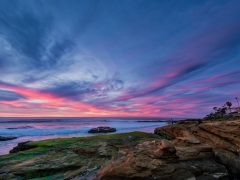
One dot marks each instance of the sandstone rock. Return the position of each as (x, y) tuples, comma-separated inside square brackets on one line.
[(206, 150), (158, 160), (157, 149), (202, 151), (223, 137)]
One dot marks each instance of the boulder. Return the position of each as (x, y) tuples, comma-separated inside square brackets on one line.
[(7, 138), (102, 130)]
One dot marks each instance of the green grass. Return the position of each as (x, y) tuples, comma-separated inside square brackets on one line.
[(57, 158)]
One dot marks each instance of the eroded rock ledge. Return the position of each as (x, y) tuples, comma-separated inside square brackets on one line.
[(190, 150)]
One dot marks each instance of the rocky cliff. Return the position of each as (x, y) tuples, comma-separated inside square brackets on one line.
[(188, 150)]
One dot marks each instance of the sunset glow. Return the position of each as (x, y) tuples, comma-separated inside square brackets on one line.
[(109, 58)]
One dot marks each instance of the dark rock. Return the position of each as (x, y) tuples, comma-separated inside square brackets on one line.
[(7, 138), (102, 130), (21, 127), (22, 147), (229, 160)]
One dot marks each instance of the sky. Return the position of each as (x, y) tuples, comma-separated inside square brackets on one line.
[(97, 58)]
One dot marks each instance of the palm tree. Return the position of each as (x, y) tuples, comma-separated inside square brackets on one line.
[(229, 104)]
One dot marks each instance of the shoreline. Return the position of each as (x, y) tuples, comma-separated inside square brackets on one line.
[(69, 136), (15, 142)]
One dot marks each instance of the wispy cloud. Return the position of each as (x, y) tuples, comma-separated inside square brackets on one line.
[(96, 58)]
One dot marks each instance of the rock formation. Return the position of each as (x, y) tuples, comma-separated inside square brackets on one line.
[(189, 150), (23, 146), (102, 130), (7, 138)]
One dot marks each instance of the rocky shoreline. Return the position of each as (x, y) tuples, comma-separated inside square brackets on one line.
[(184, 150)]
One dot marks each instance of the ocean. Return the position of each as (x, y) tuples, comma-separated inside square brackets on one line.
[(34, 129)]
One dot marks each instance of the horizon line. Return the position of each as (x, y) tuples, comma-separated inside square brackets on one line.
[(129, 117)]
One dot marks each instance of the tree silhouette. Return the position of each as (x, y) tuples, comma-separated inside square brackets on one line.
[(237, 102), (229, 104), (215, 109)]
